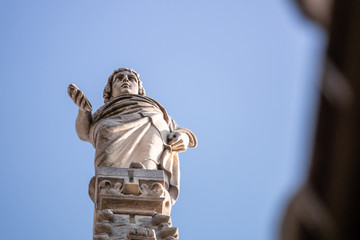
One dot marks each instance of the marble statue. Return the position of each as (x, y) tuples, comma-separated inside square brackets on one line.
[(132, 130)]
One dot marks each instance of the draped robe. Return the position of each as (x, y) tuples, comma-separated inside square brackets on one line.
[(135, 128)]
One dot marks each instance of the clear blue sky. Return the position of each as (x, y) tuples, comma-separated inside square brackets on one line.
[(241, 74)]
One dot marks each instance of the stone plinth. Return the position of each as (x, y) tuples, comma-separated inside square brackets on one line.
[(131, 204)]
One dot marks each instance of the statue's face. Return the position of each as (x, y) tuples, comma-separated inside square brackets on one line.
[(124, 82)]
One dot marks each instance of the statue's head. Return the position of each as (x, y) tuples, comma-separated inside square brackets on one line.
[(123, 80)]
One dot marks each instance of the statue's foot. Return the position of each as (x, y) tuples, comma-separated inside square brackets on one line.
[(137, 165)]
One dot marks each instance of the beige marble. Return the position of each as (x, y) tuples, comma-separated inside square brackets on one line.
[(131, 204), (131, 127), (137, 175)]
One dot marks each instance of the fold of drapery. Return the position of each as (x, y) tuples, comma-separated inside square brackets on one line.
[(135, 128)]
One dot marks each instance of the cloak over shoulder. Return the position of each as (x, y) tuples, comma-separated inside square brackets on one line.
[(131, 122)]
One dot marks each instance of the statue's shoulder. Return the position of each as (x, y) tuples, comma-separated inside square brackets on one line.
[(124, 100)]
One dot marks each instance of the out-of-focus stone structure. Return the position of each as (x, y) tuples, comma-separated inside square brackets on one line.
[(327, 206), (137, 177)]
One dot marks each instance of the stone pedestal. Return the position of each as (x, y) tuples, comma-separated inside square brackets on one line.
[(131, 204)]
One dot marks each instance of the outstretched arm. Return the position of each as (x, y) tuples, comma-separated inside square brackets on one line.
[(84, 119)]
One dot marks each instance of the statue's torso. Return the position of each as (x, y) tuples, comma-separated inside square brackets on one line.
[(129, 130)]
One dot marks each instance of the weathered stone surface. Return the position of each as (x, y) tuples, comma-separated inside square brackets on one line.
[(132, 129), (137, 175), (131, 191), (135, 215)]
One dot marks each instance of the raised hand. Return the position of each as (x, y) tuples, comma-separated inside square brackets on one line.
[(79, 98)]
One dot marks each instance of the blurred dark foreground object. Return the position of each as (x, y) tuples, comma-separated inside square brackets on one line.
[(328, 205), (317, 10)]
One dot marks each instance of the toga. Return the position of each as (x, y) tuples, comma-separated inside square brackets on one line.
[(131, 128)]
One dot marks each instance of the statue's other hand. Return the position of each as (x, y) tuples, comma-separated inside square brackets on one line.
[(179, 141), (79, 98)]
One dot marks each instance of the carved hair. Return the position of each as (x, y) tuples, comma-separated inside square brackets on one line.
[(108, 87)]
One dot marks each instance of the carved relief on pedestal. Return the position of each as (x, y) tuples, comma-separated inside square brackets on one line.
[(120, 226), (131, 204)]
